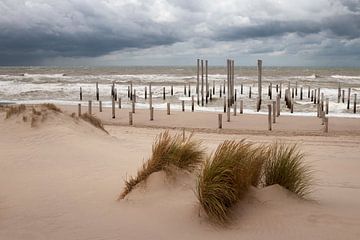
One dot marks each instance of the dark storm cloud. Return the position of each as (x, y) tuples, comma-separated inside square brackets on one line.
[(34, 31)]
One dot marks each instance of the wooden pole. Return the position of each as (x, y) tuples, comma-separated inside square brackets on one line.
[(270, 91), (278, 105), (224, 104), (192, 103), (339, 93), (152, 114), (318, 95), (274, 111), (228, 113), (259, 67), (189, 90), (100, 106), (113, 107), (241, 106), (250, 92), (168, 108), (220, 120), (202, 82), (80, 94), (348, 100), (145, 92), (326, 129), (172, 90), (327, 106), (213, 90), (241, 89), (269, 117), (296, 89), (308, 93), (133, 106), (185, 89), (150, 95), (234, 108), (301, 93), (355, 96), (280, 90), (343, 96), (131, 90), (97, 91), (315, 91), (312, 95), (183, 105), (220, 93), (206, 81), (79, 109), (197, 78), (89, 107), (134, 96), (119, 99), (164, 97), (130, 118), (292, 107)]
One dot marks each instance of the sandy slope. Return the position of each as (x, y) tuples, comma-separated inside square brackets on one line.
[(61, 179)]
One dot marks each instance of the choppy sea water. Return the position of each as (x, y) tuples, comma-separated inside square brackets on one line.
[(61, 85)]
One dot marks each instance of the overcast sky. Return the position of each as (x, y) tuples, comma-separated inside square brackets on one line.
[(176, 32)]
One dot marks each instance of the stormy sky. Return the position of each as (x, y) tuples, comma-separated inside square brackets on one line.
[(176, 32)]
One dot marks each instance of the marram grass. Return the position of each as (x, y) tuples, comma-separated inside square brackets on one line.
[(285, 166), (96, 122), (226, 177), (167, 152)]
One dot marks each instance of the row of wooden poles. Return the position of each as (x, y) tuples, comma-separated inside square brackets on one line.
[(231, 99)]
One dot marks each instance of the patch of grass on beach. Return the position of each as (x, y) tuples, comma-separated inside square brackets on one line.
[(285, 166), (167, 152), (226, 177), (15, 110), (51, 107), (93, 121)]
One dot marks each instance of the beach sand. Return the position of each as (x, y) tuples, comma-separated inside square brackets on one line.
[(61, 179)]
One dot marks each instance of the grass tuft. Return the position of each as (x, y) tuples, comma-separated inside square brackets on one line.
[(52, 107), (226, 177), (285, 167), (167, 152), (93, 121), (15, 110)]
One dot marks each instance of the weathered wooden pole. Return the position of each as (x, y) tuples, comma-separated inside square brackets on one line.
[(339, 93), (89, 107), (326, 129), (270, 91), (308, 93), (296, 89), (269, 117), (80, 93), (228, 113), (292, 107), (100, 106), (202, 82), (130, 118), (172, 90), (168, 108), (145, 93), (274, 111), (150, 96), (234, 108), (134, 96), (133, 106), (79, 109), (327, 106), (131, 91), (119, 101), (192, 103), (280, 90), (278, 105), (206, 81), (224, 104), (343, 96), (97, 91), (185, 89), (259, 67), (318, 95), (128, 91), (355, 96), (213, 90), (241, 106), (197, 77), (164, 96), (301, 93), (241, 89), (312, 96), (348, 100), (315, 91), (220, 92), (250, 92), (152, 114), (113, 107), (220, 120), (183, 105), (189, 90)]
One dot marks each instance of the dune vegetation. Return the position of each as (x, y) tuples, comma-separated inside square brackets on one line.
[(168, 152)]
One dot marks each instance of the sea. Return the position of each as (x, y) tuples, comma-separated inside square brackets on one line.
[(61, 85)]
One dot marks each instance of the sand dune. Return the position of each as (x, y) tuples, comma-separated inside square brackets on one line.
[(61, 179)]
